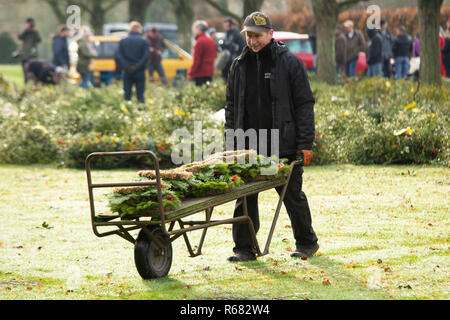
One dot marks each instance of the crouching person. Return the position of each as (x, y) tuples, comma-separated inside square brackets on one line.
[(44, 72)]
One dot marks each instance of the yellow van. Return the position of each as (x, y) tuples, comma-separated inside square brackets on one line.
[(176, 62)]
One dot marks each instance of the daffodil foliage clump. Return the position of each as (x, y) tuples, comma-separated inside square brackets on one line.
[(377, 121), (217, 174), (368, 121)]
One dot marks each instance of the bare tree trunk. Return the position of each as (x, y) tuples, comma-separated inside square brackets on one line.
[(137, 10), (430, 63), (251, 6), (59, 9), (248, 6), (185, 18), (326, 13), (97, 19)]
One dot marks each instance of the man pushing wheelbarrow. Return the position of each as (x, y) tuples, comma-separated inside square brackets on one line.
[(268, 88)]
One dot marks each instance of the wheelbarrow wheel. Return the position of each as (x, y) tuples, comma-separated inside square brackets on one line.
[(151, 260)]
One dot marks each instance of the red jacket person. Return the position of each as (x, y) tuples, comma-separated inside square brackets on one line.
[(205, 52)]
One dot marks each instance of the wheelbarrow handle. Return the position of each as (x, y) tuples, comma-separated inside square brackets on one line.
[(118, 154)]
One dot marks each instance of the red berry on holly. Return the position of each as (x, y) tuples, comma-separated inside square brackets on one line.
[(234, 178), (170, 198)]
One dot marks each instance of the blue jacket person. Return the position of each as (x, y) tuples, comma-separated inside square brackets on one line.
[(132, 57)]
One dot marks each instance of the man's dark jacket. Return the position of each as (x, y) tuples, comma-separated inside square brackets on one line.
[(234, 42), (375, 48), (60, 51), (133, 51), (292, 99), (402, 46)]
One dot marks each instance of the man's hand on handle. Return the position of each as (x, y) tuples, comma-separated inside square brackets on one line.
[(306, 155)]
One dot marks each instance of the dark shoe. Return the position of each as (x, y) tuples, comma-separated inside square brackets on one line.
[(242, 257), (305, 252)]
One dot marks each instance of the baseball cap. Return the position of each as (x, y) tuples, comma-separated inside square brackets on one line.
[(257, 22)]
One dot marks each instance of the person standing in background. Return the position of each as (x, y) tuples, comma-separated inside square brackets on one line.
[(60, 48), (388, 40), (340, 50), (204, 54), (157, 46), (374, 53), (446, 49), (30, 38), (402, 49), (85, 53), (355, 45), (313, 40), (132, 57), (416, 47), (234, 43)]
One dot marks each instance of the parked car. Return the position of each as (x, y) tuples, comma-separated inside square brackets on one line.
[(175, 60), (168, 30), (299, 44)]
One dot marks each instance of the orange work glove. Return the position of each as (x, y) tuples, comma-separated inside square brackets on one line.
[(306, 155)]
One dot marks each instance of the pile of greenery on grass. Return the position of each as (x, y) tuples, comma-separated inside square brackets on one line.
[(369, 121)]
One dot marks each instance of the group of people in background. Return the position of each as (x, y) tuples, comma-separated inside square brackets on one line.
[(38, 70), (138, 53), (384, 51)]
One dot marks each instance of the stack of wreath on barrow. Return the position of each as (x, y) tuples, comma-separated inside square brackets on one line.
[(217, 174)]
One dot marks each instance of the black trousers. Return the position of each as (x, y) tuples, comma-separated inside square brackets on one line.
[(296, 206), (137, 79), (202, 80), (387, 68), (25, 78)]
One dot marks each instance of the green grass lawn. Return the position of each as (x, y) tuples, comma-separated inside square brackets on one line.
[(383, 234), (12, 72)]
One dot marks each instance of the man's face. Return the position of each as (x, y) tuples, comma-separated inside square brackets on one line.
[(227, 26), (196, 31), (383, 26), (348, 29), (65, 33), (258, 40)]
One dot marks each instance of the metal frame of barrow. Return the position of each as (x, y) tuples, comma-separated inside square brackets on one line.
[(153, 250)]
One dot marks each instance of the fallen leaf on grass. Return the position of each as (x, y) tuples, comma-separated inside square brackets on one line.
[(46, 225), (326, 282)]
